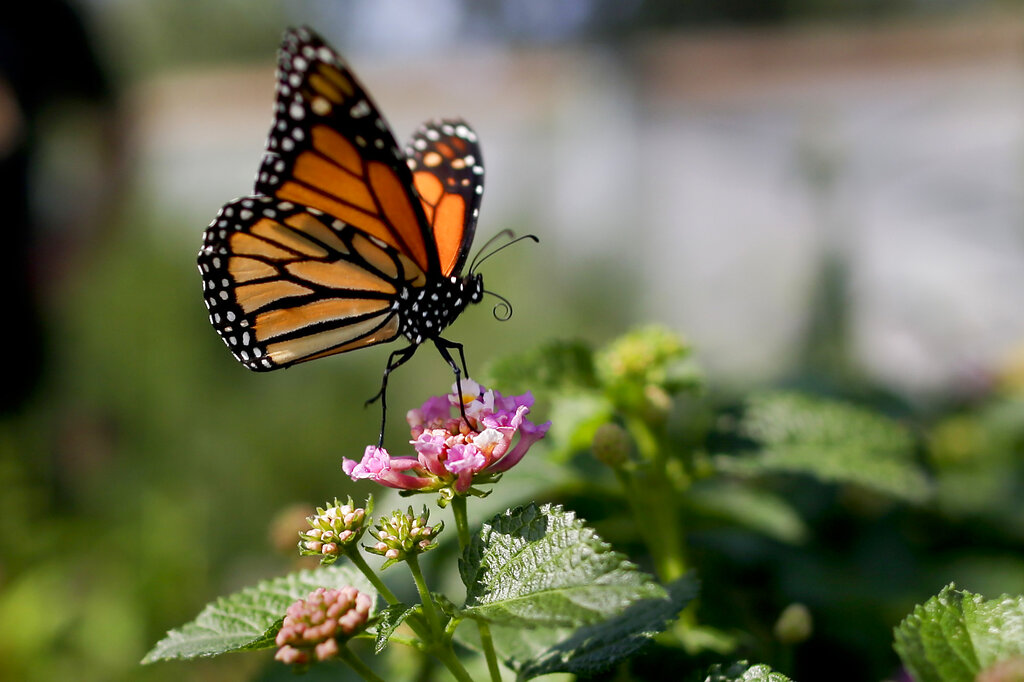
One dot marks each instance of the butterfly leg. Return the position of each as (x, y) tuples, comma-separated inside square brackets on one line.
[(443, 346), (395, 360)]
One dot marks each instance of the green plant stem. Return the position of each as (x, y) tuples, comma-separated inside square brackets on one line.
[(452, 662), (356, 558), (417, 625), (461, 520), (441, 644), (358, 666), (429, 610), (653, 500), (486, 641)]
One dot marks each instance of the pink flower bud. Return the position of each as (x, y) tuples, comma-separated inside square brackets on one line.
[(312, 626)]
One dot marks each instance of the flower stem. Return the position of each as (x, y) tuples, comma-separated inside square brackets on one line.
[(488, 646), (414, 621), (653, 498), (486, 641), (427, 601), (356, 558), (358, 666), (441, 642), (461, 520), (452, 662)]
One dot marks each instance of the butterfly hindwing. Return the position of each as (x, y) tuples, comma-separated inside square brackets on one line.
[(286, 283), (448, 171), (329, 148)]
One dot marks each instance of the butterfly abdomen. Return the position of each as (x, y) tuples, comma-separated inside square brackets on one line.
[(426, 311)]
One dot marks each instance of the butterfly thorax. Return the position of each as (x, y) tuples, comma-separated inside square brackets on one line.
[(426, 311)]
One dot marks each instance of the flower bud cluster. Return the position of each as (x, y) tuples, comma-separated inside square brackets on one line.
[(332, 530), (313, 626), (402, 535), (643, 369)]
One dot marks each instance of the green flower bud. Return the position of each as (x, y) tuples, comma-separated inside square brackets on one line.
[(794, 624), (641, 370), (402, 535), (332, 529), (611, 444)]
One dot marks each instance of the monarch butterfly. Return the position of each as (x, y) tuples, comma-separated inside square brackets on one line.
[(347, 241)]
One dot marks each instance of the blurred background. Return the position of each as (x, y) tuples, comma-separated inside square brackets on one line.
[(825, 189)]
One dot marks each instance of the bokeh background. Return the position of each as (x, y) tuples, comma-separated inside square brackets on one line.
[(824, 189)]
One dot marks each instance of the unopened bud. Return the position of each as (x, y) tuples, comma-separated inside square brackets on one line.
[(794, 624), (611, 444), (332, 530), (403, 534), (313, 626)]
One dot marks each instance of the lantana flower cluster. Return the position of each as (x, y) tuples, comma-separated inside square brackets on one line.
[(313, 626), (454, 453), (403, 534), (332, 529)]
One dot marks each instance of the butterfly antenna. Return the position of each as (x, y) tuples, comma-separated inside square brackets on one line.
[(502, 311), (481, 256), (506, 233)]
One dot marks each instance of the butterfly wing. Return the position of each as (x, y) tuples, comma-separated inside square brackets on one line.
[(448, 171), (329, 148), (286, 283)]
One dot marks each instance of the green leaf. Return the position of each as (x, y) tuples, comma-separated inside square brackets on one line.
[(388, 620), (249, 619), (590, 649), (575, 418), (758, 510), (832, 441), (741, 671), (540, 566), (554, 366), (956, 634)]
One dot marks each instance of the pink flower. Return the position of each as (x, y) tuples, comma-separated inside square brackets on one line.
[(378, 465), (452, 451)]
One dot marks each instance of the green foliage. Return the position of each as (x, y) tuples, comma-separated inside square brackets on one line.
[(956, 635), (556, 365), (830, 440), (540, 566), (971, 453), (758, 510), (249, 619), (589, 649), (635, 376), (742, 671), (388, 620)]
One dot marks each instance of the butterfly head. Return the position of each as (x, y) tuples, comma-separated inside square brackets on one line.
[(473, 283)]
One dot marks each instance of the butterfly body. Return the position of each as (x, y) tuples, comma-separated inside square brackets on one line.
[(348, 241), (425, 311)]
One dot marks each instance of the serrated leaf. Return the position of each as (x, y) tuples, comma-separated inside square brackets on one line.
[(741, 671), (593, 648), (249, 619), (388, 621), (832, 441), (956, 634), (540, 566)]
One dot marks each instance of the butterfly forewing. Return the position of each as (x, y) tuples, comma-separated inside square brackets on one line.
[(329, 148), (286, 283), (448, 171)]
